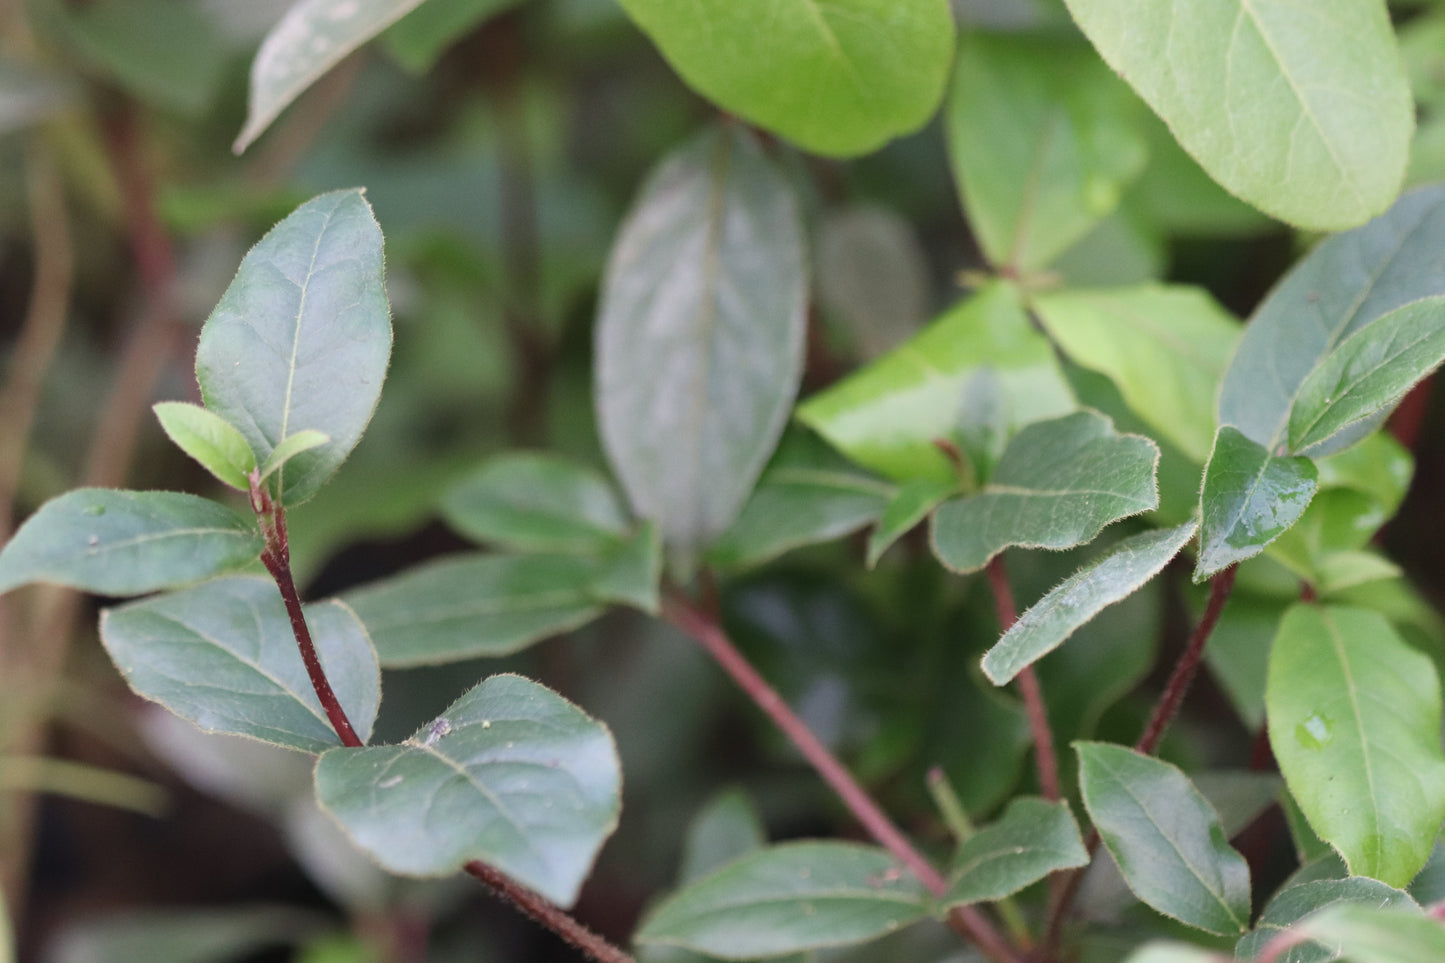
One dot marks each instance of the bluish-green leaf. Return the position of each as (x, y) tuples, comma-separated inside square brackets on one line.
[(301, 338), (210, 440), (1250, 497), (1164, 836), (473, 605), (700, 334), (1110, 578), (127, 543), (510, 774), (1354, 720), (1032, 839), (1305, 112), (782, 899), (630, 574), (419, 39), (222, 654), (1367, 934), (1293, 904), (1058, 484), (836, 77), (911, 505)]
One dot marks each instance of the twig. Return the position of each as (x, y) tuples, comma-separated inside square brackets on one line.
[(1038, 712), (540, 909)]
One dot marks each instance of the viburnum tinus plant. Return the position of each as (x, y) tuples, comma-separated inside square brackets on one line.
[(1137, 425)]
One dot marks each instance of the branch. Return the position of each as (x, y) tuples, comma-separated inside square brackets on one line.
[(1038, 712), (539, 909)]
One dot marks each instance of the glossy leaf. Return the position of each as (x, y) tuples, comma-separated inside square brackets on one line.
[(301, 338), (700, 334), (1367, 934), (419, 39), (888, 415), (1165, 838), (210, 440), (1368, 372), (1165, 347), (1344, 284), (467, 606), (1354, 720), (222, 655), (311, 38), (835, 78), (1032, 839), (1043, 139), (537, 503), (1250, 497), (1058, 484), (1294, 903), (510, 774), (1306, 114), (630, 574), (290, 447), (127, 543), (782, 899), (911, 505), (1110, 578)]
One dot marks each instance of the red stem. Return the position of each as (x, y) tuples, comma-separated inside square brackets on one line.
[(1038, 712), (538, 908)]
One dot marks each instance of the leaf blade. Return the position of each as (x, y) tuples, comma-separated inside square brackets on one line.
[(209, 439), (1034, 838), (1249, 498)]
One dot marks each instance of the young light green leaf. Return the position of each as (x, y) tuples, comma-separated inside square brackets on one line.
[(906, 509), (290, 447), (127, 543), (783, 899), (1057, 485), (630, 574), (419, 39), (1164, 836), (1305, 114), (1293, 904), (1354, 720), (888, 415), (700, 334), (837, 79), (1249, 498), (1032, 839), (1110, 578), (474, 605), (1164, 347), (466, 787), (301, 338), (537, 502), (311, 38), (1346, 283), (1367, 934), (1043, 139), (1368, 372), (222, 655), (210, 440)]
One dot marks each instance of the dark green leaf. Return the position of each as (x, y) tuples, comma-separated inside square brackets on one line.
[(1354, 720), (301, 338), (910, 506), (1032, 839), (419, 39), (127, 543), (1058, 484), (222, 655), (631, 572), (210, 440), (473, 605), (1295, 903), (1164, 836), (510, 774), (1250, 497), (700, 334), (796, 896)]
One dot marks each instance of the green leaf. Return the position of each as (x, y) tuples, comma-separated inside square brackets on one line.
[(888, 415), (1293, 904), (836, 78), (185, 935), (782, 899), (1250, 497), (312, 37), (1043, 139), (1058, 484), (290, 447), (210, 440), (537, 503), (1032, 839), (1370, 371), (1164, 346), (419, 39), (127, 543), (914, 501), (631, 572), (1110, 578), (301, 338), (1354, 720), (474, 605), (1164, 836), (700, 334), (1345, 284), (1365, 934), (470, 785), (1304, 113), (222, 655), (1161, 952)]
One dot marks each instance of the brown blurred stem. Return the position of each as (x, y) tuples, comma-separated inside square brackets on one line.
[(1033, 695)]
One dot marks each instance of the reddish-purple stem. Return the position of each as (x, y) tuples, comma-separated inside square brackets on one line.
[(540, 909), (1028, 680)]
